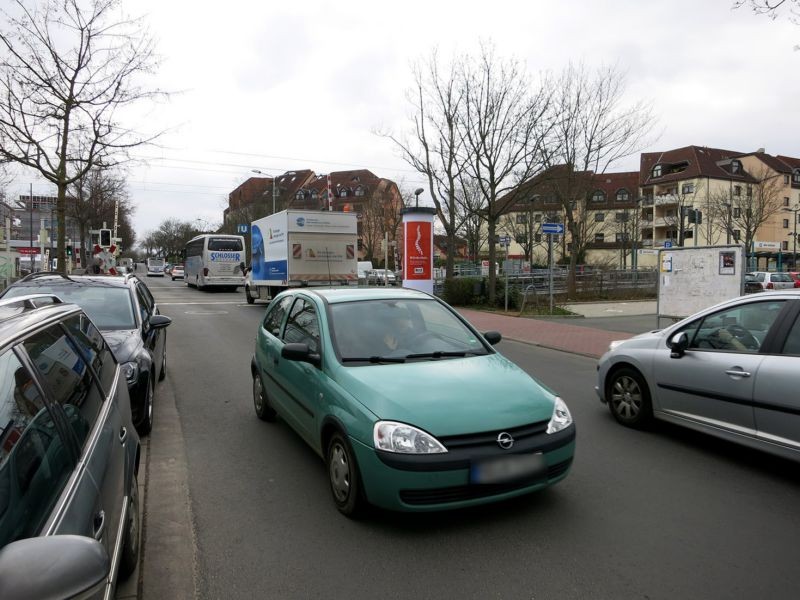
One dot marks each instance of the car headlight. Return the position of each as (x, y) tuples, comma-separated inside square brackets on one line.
[(399, 437), (614, 344), (130, 370), (561, 418)]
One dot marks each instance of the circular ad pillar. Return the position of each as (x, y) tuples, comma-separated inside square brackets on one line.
[(418, 248)]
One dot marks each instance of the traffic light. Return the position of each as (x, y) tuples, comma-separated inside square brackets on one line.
[(69, 250), (105, 237)]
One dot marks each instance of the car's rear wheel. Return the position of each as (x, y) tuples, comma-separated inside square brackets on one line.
[(145, 423), (344, 477), (629, 398), (130, 543), (250, 299), (260, 401)]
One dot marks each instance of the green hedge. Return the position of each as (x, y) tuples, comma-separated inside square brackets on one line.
[(461, 291)]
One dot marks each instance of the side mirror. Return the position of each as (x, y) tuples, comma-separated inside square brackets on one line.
[(678, 344), (55, 566), (493, 337), (159, 321), (301, 353)]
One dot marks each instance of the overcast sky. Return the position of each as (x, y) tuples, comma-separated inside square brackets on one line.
[(302, 85)]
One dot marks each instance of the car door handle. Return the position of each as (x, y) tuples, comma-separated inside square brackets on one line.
[(99, 525), (737, 373), (123, 435)]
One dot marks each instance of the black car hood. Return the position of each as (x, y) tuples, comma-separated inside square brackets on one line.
[(124, 343)]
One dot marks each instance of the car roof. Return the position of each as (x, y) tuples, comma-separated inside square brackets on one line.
[(31, 315), (336, 295), (54, 280)]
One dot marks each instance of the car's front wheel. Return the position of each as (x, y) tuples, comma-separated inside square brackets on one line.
[(629, 398), (344, 477), (260, 401), (163, 373), (130, 543)]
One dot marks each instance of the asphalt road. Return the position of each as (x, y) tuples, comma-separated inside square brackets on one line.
[(662, 514)]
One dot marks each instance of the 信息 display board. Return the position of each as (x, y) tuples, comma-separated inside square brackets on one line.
[(696, 277)]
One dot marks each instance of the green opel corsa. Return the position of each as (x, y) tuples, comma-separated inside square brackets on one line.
[(409, 406)]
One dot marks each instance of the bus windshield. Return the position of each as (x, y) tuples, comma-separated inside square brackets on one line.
[(225, 244)]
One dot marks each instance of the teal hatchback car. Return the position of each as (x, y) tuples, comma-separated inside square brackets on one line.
[(409, 406)]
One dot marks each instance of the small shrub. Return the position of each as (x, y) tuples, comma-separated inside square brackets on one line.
[(460, 291)]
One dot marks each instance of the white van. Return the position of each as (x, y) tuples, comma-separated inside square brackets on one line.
[(364, 266)]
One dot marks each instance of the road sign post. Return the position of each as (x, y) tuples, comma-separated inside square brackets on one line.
[(551, 229)]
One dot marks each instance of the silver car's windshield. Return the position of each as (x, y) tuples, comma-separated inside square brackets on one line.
[(107, 307), (399, 329)]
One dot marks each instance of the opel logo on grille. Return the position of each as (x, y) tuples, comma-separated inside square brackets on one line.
[(504, 440)]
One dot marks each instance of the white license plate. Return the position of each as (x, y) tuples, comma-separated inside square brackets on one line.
[(508, 468)]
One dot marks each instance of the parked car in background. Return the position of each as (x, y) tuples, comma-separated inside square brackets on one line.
[(408, 405), (730, 371), (751, 284), (69, 455), (129, 319), (177, 272), (796, 276), (770, 280), (381, 277)]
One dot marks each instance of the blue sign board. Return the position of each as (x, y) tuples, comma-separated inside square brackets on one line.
[(552, 228), (242, 228), (667, 244)]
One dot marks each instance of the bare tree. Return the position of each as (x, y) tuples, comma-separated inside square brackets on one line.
[(594, 129), (747, 210), (470, 205), (505, 124), (95, 198), (68, 73), (434, 146)]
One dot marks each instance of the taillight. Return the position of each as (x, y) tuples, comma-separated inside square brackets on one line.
[(797, 283), (205, 272), (769, 285)]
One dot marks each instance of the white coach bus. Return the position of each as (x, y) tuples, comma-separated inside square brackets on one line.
[(214, 260)]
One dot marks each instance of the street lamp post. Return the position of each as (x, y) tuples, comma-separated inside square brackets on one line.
[(274, 188), (794, 212), (417, 192)]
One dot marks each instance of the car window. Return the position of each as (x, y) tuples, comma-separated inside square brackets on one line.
[(741, 328), (94, 348), (275, 314), (792, 344), (302, 325), (145, 308), (68, 378), (148, 297), (34, 461)]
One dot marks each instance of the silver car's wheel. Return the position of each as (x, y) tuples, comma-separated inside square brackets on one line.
[(260, 402), (344, 477), (629, 398)]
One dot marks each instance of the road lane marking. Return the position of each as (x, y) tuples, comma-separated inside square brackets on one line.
[(208, 302), (206, 312)]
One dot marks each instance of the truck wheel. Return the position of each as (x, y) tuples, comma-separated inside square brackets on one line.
[(250, 299)]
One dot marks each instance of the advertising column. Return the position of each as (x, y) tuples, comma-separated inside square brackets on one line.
[(418, 248)]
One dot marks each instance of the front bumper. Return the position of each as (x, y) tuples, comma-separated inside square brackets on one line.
[(438, 482)]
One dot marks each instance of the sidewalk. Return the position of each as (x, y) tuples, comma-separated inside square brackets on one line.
[(565, 335)]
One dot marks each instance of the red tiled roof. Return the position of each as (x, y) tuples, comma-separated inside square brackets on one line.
[(699, 161), (794, 163)]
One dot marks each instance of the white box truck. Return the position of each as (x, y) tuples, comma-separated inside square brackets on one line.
[(301, 248)]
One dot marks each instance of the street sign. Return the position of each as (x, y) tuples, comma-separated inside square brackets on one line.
[(242, 228), (552, 228), (667, 244), (505, 240)]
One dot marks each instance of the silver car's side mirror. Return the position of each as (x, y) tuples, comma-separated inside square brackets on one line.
[(678, 344)]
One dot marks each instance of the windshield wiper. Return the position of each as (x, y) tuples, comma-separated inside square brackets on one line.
[(375, 359), (445, 354)]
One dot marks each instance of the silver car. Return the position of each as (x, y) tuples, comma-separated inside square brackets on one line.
[(730, 370), (771, 280)]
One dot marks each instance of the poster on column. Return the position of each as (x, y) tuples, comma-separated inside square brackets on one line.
[(419, 259)]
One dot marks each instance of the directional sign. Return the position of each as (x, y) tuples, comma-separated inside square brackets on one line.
[(242, 228), (505, 240), (668, 244), (552, 228)]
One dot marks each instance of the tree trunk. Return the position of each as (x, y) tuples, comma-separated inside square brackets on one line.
[(492, 223)]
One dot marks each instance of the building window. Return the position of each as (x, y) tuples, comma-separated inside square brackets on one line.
[(622, 195), (736, 235), (521, 238), (599, 217), (784, 245), (522, 219), (657, 171), (537, 237), (786, 201), (620, 237), (299, 195), (621, 217), (359, 191), (343, 193), (737, 212), (314, 194), (786, 223), (786, 179), (671, 213), (688, 188), (550, 199), (749, 191), (737, 190), (688, 234), (598, 196), (796, 176), (537, 218), (599, 237), (736, 166)]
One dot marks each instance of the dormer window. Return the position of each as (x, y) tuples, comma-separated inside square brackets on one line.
[(736, 167), (343, 192), (299, 194), (314, 194), (598, 196), (796, 176), (622, 195), (656, 171), (359, 191)]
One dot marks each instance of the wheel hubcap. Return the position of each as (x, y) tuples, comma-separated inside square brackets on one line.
[(626, 397), (149, 402), (258, 398), (339, 473)]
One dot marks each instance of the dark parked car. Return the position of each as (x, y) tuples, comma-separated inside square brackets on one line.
[(69, 456), (128, 317)]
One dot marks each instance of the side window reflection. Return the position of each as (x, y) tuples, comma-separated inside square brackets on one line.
[(741, 328)]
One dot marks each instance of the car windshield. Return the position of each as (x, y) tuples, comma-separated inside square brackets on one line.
[(399, 330), (108, 307)]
